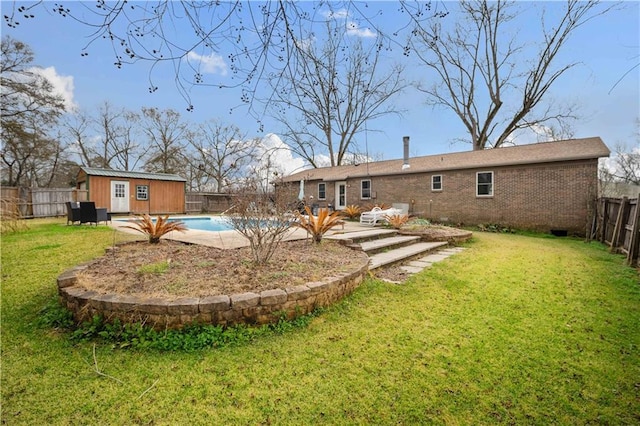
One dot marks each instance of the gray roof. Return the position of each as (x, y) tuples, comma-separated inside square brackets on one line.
[(546, 152), (92, 171)]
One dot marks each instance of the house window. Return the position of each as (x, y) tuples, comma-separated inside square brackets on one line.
[(365, 189), (436, 183), (484, 184), (142, 192), (322, 191)]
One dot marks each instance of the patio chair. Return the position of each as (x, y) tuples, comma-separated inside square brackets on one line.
[(371, 218), (73, 212), (90, 214)]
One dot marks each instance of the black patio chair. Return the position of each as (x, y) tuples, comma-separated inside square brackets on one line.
[(73, 212), (90, 214)]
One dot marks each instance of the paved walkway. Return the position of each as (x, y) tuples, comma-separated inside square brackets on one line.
[(418, 265)]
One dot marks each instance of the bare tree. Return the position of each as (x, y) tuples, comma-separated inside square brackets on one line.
[(129, 152), (626, 164), (328, 91), (107, 123), (29, 109), (76, 128), (221, 155), (165, 131), (487, 78), (108, 140)]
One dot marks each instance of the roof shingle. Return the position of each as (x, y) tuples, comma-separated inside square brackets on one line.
[(545, 152)]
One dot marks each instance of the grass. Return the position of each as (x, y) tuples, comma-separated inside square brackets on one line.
[(516, 329), (154, 268)]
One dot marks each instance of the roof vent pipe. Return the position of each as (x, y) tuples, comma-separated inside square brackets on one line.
[(405, 144)]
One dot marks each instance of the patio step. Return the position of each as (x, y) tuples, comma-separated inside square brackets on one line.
[(400, 254), (357, 237), (385, 244)]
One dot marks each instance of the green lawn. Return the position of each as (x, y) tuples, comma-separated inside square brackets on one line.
[(516, 329)]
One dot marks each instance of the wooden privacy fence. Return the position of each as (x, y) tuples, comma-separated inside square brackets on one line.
[(617, 224), (39, 202), (208, 202)]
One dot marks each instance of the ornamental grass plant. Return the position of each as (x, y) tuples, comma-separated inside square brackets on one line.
[(318, 225), (154, 230)]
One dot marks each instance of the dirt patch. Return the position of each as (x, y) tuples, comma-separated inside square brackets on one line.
[(173, 269), (391, 273)]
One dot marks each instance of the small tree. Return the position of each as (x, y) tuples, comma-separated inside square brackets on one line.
[(262, 219)]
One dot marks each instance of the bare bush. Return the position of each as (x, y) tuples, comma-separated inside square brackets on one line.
[(262, 218), (12, 220)]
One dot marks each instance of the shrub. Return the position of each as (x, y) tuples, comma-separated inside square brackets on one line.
[(11, 220), (420, 222), (396, 220), (263, 219), (352, 212), (155, 230), (383, 206), (494, 227), (317, 226), (192, 337)]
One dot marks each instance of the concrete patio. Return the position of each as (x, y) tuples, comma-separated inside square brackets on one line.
[(230, 239)]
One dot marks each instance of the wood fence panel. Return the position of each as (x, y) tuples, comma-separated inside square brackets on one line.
[(41, 202), (194, 202), (618, 226), (207, 202), (633, 255)]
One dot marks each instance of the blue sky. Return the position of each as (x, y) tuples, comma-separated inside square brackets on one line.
[(606, 48)]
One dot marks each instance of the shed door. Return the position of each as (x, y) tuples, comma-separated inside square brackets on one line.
[(119, 196)]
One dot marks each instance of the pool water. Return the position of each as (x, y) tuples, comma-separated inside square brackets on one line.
[(204, 223), (199, 223)]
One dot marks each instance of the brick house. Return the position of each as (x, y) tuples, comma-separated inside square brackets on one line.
[(544, 186)]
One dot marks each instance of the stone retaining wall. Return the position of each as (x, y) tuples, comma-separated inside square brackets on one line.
[(247, 308)]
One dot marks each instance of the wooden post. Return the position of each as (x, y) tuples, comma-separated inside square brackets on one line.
[(632, 255), (617, 230), (605, 220)]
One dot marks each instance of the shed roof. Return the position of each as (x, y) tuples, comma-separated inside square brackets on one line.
[(546, 152), (93, 171)]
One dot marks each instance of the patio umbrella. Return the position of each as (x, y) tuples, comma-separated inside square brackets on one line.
[(301, 193)]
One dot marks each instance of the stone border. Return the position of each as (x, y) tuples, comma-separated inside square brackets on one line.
[(266, 307)]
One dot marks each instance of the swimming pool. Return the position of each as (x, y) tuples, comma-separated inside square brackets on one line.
[(204, 223), (199, 223)]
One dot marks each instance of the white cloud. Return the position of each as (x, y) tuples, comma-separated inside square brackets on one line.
[(322, 160), (354, 29), (280, 155), (305, 43), (534, 133), (337, 14), (62, 85), (209, 64)]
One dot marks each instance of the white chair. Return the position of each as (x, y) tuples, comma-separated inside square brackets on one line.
[(376, 214)]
